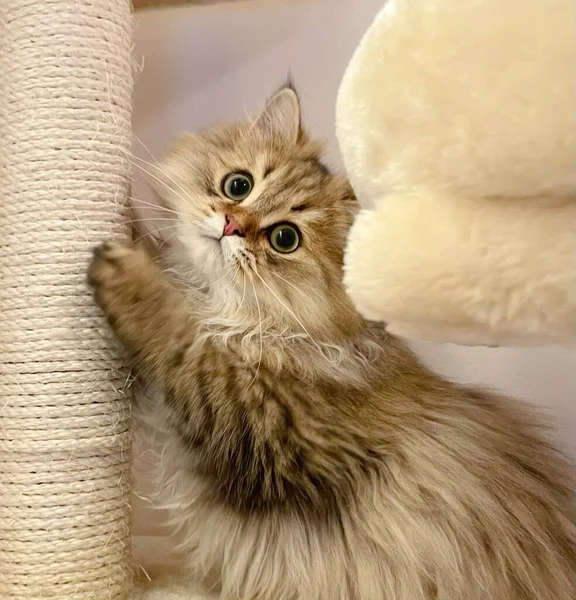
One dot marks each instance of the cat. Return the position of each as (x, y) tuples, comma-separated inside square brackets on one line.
[(316, 458)]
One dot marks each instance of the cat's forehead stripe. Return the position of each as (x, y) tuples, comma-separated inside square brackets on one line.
[(291, 186), (300, 218)]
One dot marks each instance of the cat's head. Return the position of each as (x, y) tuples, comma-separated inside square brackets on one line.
[(261, 218)]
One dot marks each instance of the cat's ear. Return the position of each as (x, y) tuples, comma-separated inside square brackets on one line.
[(281, 116)]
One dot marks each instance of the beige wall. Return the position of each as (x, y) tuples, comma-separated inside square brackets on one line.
[(203, 64)]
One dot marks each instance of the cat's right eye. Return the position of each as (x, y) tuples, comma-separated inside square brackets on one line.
[(284, 238), (237, 186)]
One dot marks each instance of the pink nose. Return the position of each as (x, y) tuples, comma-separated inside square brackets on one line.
[(232, 227)]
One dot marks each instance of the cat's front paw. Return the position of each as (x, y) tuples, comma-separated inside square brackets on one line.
[(117, 273), (113, 264)]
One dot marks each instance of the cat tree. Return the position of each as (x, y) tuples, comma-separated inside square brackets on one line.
[(65, 108)]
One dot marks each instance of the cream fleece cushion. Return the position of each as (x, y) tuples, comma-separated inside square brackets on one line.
[(457, 121)]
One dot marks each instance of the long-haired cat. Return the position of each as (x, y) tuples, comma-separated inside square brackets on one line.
[(317, 459)]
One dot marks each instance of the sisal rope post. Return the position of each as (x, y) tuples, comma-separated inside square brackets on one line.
[(65, 135)]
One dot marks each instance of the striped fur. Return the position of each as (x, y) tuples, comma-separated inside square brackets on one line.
[(310, 456)]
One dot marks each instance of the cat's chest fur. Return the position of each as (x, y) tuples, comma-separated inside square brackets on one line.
[(253, 431)]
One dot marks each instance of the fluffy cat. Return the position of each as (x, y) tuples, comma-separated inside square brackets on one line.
[(317, 459)]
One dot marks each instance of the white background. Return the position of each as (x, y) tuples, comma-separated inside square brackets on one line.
[(211, 63)]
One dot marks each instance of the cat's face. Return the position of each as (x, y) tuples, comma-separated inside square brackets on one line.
[(260, 217)]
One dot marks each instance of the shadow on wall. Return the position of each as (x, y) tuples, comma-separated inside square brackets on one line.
[(184, 51), (209, 63)]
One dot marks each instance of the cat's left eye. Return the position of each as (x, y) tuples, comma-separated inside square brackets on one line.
[(284, 238), (237, 186)]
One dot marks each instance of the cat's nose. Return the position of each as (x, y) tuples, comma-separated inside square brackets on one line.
[(232, 227)]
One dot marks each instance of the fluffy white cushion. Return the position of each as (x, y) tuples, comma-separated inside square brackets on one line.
[(457, 125)]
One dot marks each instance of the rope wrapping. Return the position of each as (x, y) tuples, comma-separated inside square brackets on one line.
[(65, 135)]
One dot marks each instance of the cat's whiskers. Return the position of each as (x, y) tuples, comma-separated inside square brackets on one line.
[(186, 200), (166, 240), (156, 165), (243, 292), (243, 259), (152, 233), (293, 315), (153, 219), (157, 242), (227, 272), (141, 142), (261, 336), (152, 205), (287, 282)]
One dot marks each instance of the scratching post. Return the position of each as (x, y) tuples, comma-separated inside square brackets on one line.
[(65, 104)]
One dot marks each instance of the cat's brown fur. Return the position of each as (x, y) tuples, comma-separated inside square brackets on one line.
[(318, 459)]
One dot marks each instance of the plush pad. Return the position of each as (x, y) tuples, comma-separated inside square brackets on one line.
[(456, 123)]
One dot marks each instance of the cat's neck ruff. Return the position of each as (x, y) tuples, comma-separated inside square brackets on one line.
[(281, 342), (281, 348)]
